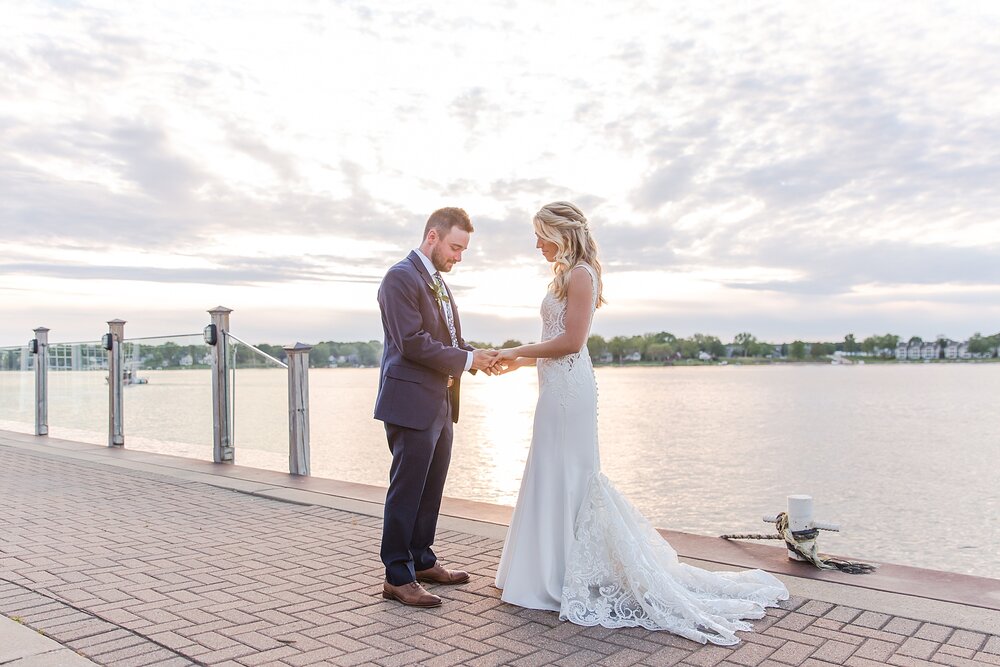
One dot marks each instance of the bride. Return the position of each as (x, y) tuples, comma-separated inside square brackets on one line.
[(575, 545)]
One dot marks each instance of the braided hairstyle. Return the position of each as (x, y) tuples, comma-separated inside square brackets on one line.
[(565, 225)]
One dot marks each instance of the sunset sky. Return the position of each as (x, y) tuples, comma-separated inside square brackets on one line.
[(798, 170)]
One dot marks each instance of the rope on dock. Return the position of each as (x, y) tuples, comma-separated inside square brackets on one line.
[(803, 542)]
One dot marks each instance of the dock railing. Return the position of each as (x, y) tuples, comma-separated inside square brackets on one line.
[(124, 362)]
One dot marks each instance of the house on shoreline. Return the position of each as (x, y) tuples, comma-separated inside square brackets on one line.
[(950, 350)]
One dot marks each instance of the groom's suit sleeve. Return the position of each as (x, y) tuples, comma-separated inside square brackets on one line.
[(399, 298)]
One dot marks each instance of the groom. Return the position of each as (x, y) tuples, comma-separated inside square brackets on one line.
[(423, 358)]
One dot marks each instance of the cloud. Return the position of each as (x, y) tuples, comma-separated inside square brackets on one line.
[(469, 106), (236, 271), (848, 148), (836, 269), (247, 142), (667, 183)]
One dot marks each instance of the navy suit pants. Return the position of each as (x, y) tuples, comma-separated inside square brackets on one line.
[(416, 483)]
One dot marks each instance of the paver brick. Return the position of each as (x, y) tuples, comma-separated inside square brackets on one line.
[(454, 657), (708, 656), (967, 639), (405, 658), (907, 661), (795, 621), (917, 648), (861, 631), (790, 635), (492, 659), (580, 659), (855, 661), (512, 645), (115, 655), (229, 653), (954, 660), (751, 654), (835, 651), (871, 619), (902, 626), (762, 638), (628, 657), (815, 608), (842, 614), (876, 649), (201, 574), (792, 653), (833, 635), (948, 649), (537, 659), (68, 632), (271, 656)]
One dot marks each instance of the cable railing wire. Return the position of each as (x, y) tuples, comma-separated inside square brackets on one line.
[(257, 350)]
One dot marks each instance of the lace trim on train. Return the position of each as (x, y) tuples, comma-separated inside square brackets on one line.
[(622, 573)]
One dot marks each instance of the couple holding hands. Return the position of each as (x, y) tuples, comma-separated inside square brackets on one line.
[(575, 546)]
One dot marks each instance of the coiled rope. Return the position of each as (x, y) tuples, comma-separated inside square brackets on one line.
[(803, 542)]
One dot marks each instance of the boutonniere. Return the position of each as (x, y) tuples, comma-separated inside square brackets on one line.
[(440, 293)]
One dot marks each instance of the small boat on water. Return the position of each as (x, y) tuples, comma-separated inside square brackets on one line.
[(130, 374), (131, 378)]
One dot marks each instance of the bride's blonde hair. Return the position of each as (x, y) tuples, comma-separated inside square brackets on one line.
[(565, 225)]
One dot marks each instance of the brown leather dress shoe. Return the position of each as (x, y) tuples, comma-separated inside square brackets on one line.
[(411, 594), (439, 575)]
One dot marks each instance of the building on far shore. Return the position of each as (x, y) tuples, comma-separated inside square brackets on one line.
[(917, 350)]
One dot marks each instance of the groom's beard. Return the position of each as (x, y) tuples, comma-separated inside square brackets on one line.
[(440, 262)]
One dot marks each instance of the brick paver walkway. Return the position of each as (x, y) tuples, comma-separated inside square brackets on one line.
[(134, 568)]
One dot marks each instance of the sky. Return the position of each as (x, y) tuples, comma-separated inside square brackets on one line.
[(793, 170)]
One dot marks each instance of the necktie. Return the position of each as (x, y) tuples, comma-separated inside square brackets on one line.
[(446, 307)]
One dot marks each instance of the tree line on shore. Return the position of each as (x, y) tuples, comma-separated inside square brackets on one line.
[(664, 347), (660, 347)]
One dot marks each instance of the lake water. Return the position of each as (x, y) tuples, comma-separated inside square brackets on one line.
[(905, 457)]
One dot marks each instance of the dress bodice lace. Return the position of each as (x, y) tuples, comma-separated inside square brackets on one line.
[(572, 369)]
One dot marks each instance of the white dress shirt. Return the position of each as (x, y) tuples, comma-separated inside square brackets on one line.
[(444, 304)]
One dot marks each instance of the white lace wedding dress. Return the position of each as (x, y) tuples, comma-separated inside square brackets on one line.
[(576, 546)]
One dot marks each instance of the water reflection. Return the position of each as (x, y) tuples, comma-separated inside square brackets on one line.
[(492, 436), (904, 457)]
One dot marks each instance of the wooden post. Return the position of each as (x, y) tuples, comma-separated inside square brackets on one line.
[(42, 381), (222, 428), (116, 380), (298, 408)]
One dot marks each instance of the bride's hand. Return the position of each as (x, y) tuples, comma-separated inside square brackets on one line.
[(512, 362), (513, 365), (505, 361)]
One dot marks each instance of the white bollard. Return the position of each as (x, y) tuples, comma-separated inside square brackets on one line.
[(800, 513), (800, 519)]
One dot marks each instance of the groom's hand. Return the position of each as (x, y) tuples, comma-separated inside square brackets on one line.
[(482, 360), (505, 361)]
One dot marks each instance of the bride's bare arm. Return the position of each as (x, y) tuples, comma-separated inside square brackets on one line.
[(578, 314)]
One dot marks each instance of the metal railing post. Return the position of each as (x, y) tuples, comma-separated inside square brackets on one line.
[(222, 428), (298, 408), (41, 344), (116, 380)]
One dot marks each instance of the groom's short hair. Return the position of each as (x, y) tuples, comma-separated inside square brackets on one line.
[(444, 219)]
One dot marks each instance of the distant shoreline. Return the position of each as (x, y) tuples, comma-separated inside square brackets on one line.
[(749, 361)]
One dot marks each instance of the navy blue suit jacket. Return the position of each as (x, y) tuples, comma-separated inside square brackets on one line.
[(417, 355)]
